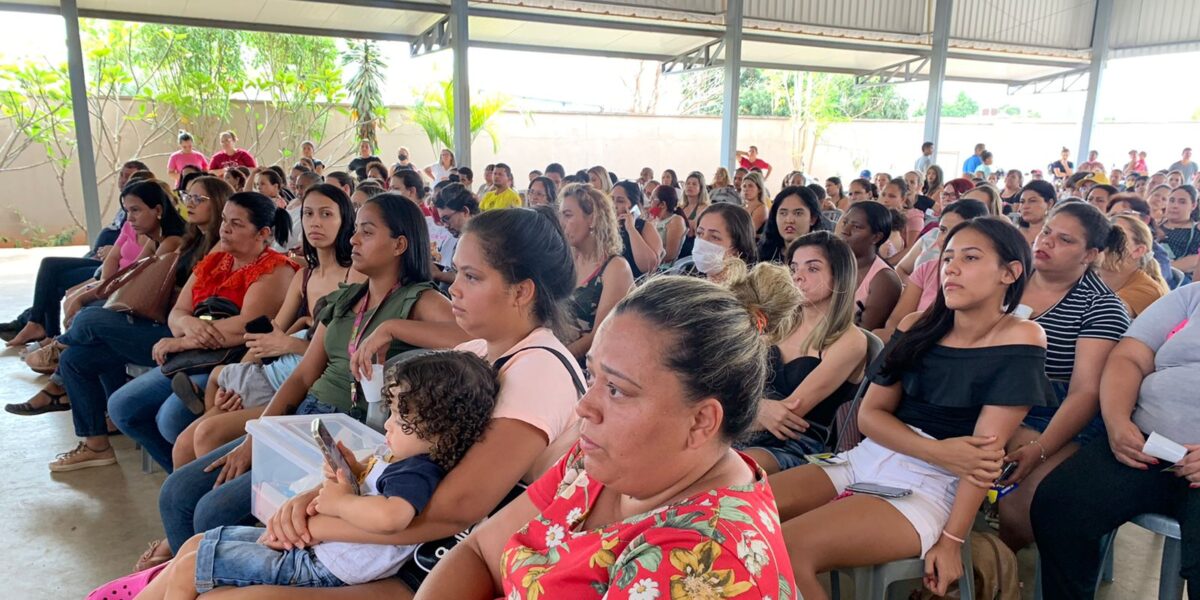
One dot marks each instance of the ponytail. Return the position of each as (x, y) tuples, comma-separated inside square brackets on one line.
[(282, 227)]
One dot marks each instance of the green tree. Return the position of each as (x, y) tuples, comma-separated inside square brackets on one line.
[(963, 106), (365, 87), (434, 114)]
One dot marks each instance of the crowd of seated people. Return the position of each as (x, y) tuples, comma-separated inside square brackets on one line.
[(590, 326)]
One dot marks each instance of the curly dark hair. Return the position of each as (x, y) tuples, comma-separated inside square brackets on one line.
[(444, 397)]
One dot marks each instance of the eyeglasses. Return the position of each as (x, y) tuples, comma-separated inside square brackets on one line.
[(193, 199), (445, 219)]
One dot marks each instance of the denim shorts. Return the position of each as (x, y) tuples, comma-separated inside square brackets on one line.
[(788, 453), (1038, 418), (232, 557)]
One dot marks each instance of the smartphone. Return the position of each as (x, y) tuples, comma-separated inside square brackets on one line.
[(636, 211), (1007, 471), (262, 324), (874, 489), (333, 456)]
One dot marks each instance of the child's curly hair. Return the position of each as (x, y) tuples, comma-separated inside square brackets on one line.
[(444, 397)]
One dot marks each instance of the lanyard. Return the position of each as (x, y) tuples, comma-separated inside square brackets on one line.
[(359, 330)]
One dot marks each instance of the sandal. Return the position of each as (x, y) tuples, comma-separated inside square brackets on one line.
[(58, 403), (158, 553), (192, 396)]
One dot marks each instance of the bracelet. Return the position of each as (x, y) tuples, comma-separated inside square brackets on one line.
[(1041, 448), (953, 537)]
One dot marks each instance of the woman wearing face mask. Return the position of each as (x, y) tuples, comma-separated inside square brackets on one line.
[(602, 275), (864, 228), (1083, 320), (722, 233), (794, 212), (670, 222), (1136, 278), (642, 246), (818, 355), (922, 284)]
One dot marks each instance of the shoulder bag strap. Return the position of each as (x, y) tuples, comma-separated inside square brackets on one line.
[(580, 389)]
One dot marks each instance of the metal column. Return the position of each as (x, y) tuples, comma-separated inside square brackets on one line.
[(462, 90), (937, 69), (733, 72), (1100, 29), (83, 124)]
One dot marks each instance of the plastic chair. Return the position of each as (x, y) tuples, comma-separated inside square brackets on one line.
[(1170, 582), (1177, 277), (846, 419), (872, 583), (1104, 576)]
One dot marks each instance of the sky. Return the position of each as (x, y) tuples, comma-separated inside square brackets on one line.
[(594, 84)]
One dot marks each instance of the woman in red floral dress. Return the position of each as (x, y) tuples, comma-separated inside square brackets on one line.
[(652, 502)]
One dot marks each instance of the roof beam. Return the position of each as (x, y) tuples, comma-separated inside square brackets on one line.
[(901, 72), (210, 23), (1066, 81), (599, 52), (439, 36), (697, 59), (549, 18)]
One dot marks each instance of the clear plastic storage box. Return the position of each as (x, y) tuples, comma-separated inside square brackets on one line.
[(287, 461)]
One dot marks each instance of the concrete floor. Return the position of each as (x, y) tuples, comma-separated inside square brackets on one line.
[(67, 533)]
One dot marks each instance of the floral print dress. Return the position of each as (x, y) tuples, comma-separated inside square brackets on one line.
[(724, 543)]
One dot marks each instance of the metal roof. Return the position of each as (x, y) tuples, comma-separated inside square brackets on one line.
[(1004, 42)]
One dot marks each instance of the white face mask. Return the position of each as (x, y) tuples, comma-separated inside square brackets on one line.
[(708, 257)]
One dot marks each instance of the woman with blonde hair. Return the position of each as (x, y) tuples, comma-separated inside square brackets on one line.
[(599, 179), (817, 356), (602, 277), (693, 200), (755, 199), (989, 195), (1135, 277)]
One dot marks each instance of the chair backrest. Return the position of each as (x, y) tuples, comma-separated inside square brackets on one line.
[(1177, 277), (847, 416)]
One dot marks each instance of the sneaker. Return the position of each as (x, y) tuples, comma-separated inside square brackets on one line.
[(83, 457)]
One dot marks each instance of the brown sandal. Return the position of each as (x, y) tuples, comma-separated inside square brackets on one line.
[(158, 553), (58, 403)]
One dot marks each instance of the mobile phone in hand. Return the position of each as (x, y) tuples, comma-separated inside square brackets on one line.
[(262, 324), (333, 456)]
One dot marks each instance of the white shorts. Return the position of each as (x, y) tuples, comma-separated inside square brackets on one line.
[(933, 488)]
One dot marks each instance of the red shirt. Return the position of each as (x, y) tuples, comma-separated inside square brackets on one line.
[(215, 275), (758, 163), (220, 160), (724, 543)]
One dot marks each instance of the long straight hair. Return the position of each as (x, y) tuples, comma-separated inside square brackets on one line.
[(341, 244), (840, 317), (939, 319)]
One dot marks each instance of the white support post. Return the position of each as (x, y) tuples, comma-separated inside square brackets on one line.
[(733, 71), (937, 69), (460, 41), (83, 123), (1100, 30)]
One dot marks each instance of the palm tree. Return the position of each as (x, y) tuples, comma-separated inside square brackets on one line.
[(365, 87), (434, 113)]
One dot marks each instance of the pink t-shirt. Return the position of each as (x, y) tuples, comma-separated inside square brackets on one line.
[(179, 160), (534, 385), (127, 245), (925, 276)]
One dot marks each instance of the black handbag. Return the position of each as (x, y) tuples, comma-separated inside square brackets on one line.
[(201, 361)]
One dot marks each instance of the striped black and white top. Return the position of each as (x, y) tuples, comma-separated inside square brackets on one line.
[(1089, 310)]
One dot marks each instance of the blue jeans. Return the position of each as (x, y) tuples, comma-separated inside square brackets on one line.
[(788, 453), (189, 504), (232, 556), (55, 276), (99, 345), (151, 414)]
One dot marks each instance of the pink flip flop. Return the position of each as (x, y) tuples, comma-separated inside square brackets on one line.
[(127, 587)]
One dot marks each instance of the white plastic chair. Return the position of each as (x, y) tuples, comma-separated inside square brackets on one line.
[(872, 583), (1170, 582)]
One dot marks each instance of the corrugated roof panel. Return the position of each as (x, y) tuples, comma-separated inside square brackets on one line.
[(693, 6), (893, 16), (1141, 23), (1063, 24)]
